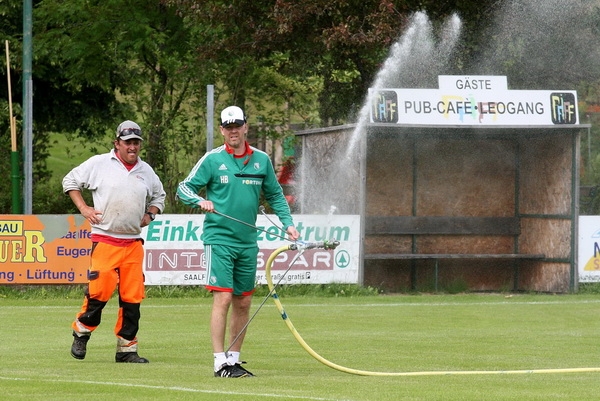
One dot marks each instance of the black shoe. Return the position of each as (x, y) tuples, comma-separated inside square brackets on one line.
[(131, 357), (233, 371), (239, 366), (79, 347)]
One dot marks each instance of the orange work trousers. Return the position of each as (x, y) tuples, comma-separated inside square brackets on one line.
[(113, 266)]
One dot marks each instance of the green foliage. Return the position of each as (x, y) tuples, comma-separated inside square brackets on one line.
[(319, 290), (48, 198), (174, 291), (185, 291), (157, 76), (589, 288), (589, 106), (5, 163), (142, 56), (42, 291)]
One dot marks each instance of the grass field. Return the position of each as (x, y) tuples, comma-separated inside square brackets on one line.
[(399, 333), (64, 154)]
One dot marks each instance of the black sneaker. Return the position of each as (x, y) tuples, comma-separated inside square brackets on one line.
[(239, 366), (233, 371), (130, 357), (79, 347)]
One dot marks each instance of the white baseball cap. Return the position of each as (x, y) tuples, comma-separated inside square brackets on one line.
[(129, 130), (232, 115)]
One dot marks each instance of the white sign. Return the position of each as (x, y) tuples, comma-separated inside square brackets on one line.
[(175, 256), (473, 100), (589, 250)]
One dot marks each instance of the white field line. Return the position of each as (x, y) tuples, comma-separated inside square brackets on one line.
[(169, 388)]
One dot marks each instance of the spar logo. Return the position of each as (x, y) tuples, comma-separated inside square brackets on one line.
[(342, 259), (384, 107), (563, 107)]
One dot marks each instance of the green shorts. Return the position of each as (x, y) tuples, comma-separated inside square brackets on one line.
[(231, 269)]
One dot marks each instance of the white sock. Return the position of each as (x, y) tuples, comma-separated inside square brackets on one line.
[(220, 359), (233, 357)]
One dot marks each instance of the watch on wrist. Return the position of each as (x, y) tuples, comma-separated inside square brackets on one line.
[(152, 215)]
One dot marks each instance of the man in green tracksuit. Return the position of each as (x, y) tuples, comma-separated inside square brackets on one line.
[(234, 176)]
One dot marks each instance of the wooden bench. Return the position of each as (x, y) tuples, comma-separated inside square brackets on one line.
[(442, 225)]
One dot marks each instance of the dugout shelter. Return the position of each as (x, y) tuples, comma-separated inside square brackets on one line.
[(457, 189)]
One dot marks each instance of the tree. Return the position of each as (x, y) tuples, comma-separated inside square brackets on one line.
[(344, 43), (58, 105), (311, 62), (131, 60), (97, 63), (341, 43)]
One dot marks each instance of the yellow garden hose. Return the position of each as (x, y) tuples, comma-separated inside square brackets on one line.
[(326, 362)]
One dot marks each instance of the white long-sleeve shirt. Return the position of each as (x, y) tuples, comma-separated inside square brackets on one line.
[(122, 196)]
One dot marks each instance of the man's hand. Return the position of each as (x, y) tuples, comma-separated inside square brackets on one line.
[(146, 220), (92, 215), (207, 206), (292, 233)]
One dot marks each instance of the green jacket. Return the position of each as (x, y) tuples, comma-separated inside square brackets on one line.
[(234, 186)]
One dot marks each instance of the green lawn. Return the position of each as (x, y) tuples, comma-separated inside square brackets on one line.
[(378, 334), (66, 153)]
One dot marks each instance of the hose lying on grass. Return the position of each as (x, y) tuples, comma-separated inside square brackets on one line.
[(290, 325)]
